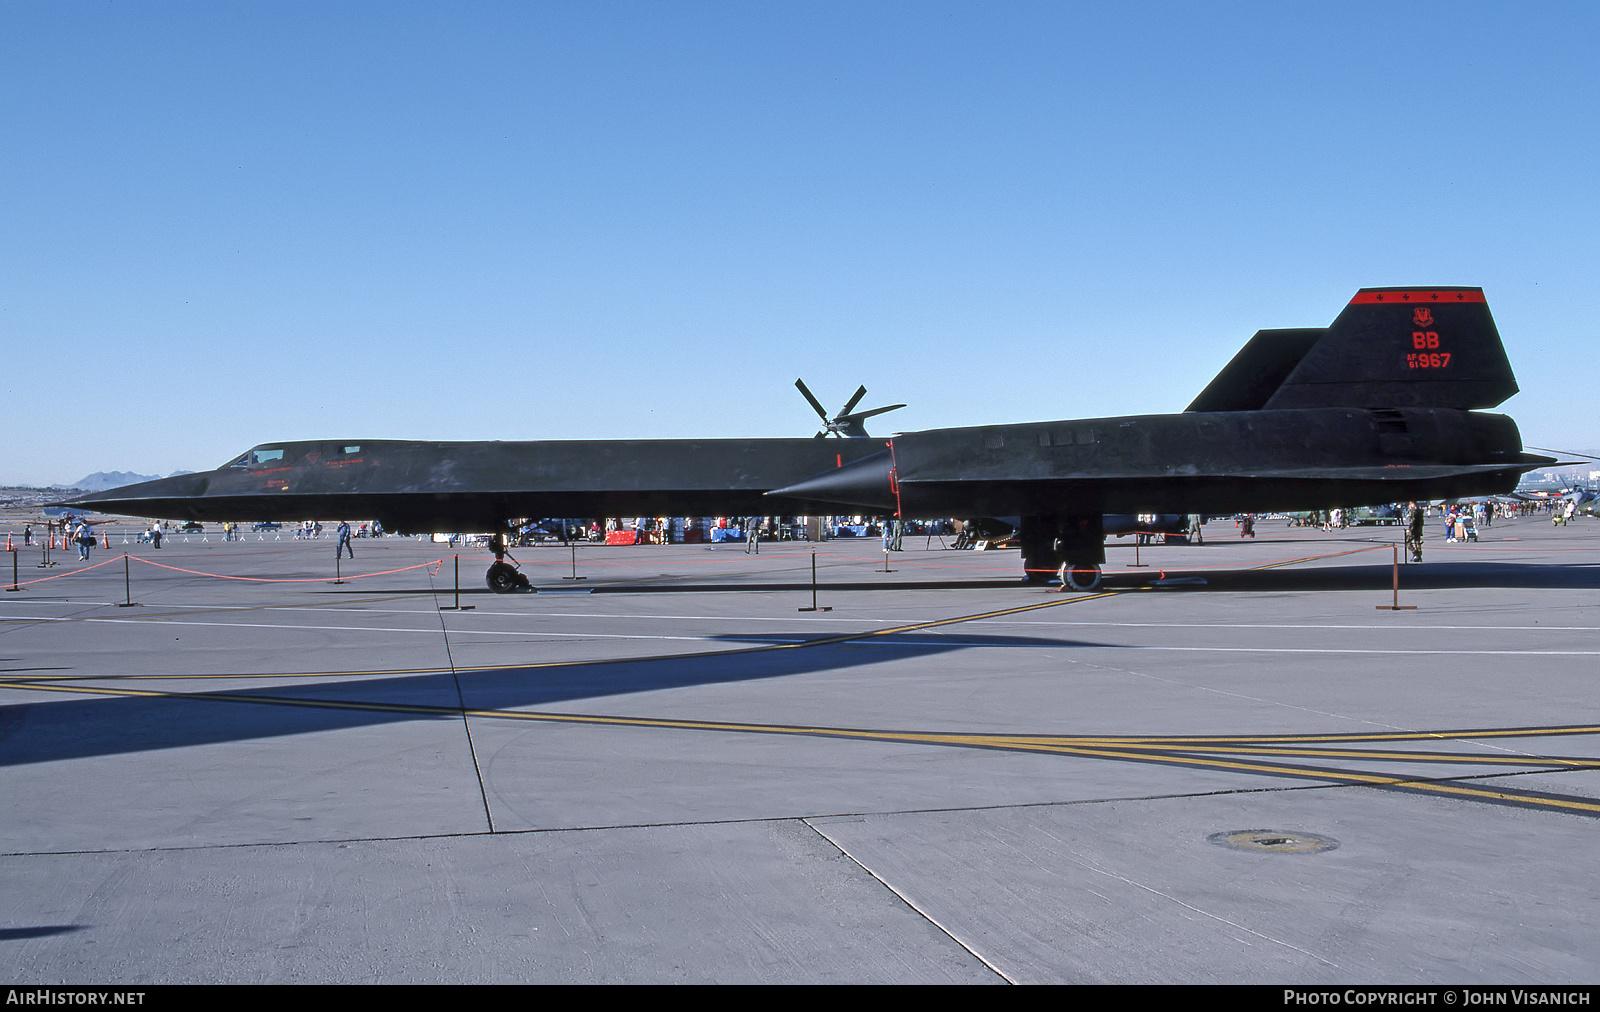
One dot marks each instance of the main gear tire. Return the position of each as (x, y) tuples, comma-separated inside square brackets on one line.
[(1080, 577)]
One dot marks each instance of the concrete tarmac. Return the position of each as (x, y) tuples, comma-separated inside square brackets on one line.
[(668, 772)]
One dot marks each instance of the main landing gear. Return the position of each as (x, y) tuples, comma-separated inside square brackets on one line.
[(1071, 547), (504, 577), (1080, 579)]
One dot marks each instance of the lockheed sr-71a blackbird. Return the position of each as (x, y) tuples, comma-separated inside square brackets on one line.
[(1384, 405)]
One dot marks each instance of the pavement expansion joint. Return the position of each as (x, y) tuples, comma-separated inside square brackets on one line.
[(808, 819), (912, 905)]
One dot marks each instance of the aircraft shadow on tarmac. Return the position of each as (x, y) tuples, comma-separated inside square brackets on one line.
[(1428, 576), (600, 587), (76, 728), (38, 931)]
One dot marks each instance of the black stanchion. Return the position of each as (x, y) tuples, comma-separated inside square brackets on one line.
[(127, 584), (1396, 606), (338, 575), (574, 575), (1137, 537), (14, 585), (457, 605), (814, 586)]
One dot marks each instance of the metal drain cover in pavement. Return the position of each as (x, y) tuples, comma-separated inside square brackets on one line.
[(1274, 841)]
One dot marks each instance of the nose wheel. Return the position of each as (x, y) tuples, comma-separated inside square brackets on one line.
[(503, 578)]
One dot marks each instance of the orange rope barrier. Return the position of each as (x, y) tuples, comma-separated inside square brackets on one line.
[(73, 572), (793, 554)]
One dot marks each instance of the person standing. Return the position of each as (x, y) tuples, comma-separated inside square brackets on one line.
[(344, 541), (1416, 521), (155, 535), (27, 535), (891, 535), (752, 545), (1196, 537), (85, 539)]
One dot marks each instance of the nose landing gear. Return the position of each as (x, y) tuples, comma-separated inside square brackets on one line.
[(504, 577)]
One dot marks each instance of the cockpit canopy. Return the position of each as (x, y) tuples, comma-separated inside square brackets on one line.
[(256, 457), (276, 456)]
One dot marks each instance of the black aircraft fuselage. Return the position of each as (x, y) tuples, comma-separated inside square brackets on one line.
[(1211, 462), (417, 486), (1382, 406)]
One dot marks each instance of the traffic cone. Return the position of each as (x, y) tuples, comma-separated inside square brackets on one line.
[(8, 543)]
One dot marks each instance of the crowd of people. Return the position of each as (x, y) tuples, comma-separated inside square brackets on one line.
[(751, 530), (76, 531)]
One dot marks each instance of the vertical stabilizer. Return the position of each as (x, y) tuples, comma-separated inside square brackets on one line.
[(1250, 379), (1404, 347)]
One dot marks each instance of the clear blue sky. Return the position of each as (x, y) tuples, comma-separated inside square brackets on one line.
[(229, 223)]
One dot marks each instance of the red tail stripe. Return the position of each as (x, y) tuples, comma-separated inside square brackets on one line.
[(1416, 296)]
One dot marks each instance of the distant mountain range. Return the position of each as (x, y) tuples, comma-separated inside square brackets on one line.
[(102, 480)]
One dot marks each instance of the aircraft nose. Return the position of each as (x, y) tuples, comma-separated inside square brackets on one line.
[(129, 498)]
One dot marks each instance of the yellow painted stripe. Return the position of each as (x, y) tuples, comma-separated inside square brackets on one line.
[(1149, 748), (1357, 736), (1436, 757), (1342, 776), (970, 740), (1315, 558)]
